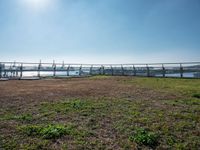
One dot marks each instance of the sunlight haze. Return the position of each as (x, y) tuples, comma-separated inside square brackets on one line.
[(100, 31)]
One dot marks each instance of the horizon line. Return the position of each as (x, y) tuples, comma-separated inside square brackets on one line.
[(63, 63)]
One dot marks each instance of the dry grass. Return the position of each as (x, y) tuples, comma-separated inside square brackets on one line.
[(100, 113)]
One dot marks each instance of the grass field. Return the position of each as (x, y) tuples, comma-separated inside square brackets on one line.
[(100, 112)]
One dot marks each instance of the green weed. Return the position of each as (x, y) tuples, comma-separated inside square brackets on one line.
[(65, 106), (197, 95), (24, 117), (47, 132), (143, 136)]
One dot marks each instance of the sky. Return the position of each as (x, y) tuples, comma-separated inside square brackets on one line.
[(100, 31)]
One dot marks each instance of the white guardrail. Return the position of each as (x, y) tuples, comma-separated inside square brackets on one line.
[(20, 70)]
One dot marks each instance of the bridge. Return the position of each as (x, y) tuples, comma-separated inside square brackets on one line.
[(23, 70)]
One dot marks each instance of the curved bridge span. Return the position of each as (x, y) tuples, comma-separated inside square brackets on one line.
[(21, 70)]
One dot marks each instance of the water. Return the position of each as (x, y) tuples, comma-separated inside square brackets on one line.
[(50, 73), (76, 73), (186, 75)]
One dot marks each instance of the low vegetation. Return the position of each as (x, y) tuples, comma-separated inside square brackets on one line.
[(143, 136), (101, 113), (47, 132), (196, 95)]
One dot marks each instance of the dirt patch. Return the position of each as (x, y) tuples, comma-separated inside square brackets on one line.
[(112, 108)]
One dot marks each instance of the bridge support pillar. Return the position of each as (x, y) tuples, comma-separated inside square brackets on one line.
[(54, 69), (112, 71), (68, 70), (80, 70), (122, 70), (163, 70), (21, 70), (91, 69), (39, 67), (181, 70), (148, 70)]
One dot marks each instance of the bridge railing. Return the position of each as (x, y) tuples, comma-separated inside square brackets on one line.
[(23, 69)]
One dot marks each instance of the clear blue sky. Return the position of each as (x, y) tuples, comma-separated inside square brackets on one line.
[(100, 31)]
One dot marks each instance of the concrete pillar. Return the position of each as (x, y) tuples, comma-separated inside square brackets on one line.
[(148, 71), (122, 70), (181, 70), (112, 70), (163, 70), (68, 70), (91, 69), (134, 70), (21, 70), (39, 67), (80, 70), (54, 68)]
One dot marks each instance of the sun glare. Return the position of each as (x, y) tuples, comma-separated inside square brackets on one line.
[(36, 5)]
